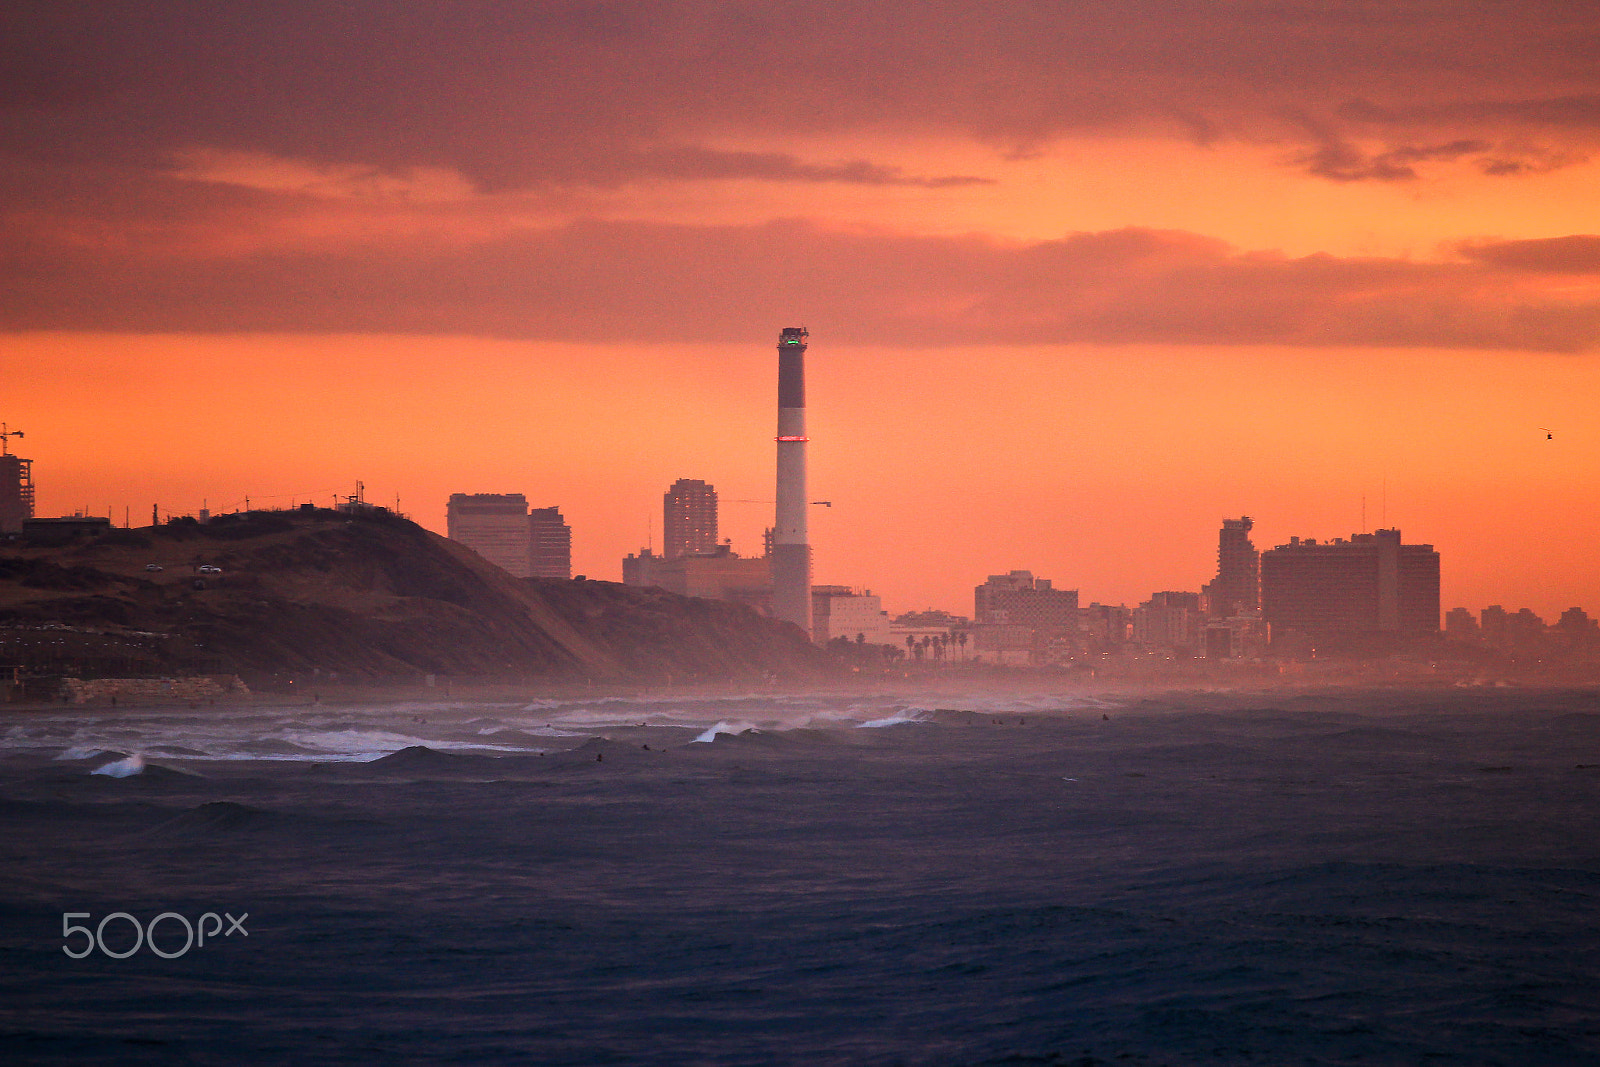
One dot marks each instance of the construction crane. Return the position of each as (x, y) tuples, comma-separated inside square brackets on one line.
[(5, 432), (823, 503)]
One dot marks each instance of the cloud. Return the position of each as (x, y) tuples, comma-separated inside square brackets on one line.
[(1577, 254), (1344, 162), (521, 96), (643, 282), (1578, 112), (697, 163), (178, 165)]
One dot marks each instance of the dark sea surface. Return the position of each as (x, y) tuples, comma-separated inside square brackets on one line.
[(1333, 877)]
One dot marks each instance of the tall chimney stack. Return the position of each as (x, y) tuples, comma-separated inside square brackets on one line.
[(791, 549)]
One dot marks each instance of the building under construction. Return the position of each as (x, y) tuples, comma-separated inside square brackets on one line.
[(16, 485)]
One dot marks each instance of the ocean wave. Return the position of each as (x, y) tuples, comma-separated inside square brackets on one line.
[(353, 733), (734, 728), (899, 718), (126, 767)]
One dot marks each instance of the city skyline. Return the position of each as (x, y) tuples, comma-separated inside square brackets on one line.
[(1080, 283), (1550, 609)]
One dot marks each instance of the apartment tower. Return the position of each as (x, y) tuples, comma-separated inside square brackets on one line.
[(688, 519)]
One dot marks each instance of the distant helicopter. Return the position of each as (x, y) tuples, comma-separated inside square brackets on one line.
[(1549, 434)]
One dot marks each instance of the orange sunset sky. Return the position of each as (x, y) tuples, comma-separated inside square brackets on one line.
[(1081, 280)]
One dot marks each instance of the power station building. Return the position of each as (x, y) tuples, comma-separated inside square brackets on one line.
[(688, 518), (1370, 583), (721, 574), (692, 563)]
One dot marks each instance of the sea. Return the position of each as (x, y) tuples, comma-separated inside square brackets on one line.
[(1311, 876)]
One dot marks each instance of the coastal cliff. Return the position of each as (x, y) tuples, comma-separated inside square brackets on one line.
[(369, 598)]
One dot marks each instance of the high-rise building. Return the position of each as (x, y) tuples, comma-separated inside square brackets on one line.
[(16, 492), (1104, 626), (688, 518), (1460, 624), (1370, 583), (1576, 629), (16, 485), (494, 525), (1017, 614), (1169, 619), (1236, 590), (1575, 621), (1525, 627), (549, 544), (1493, 624), (1021, 598)]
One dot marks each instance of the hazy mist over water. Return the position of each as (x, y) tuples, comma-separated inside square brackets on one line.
[(1319, 877)]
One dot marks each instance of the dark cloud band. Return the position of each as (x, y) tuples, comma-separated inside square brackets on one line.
[(639, 282)]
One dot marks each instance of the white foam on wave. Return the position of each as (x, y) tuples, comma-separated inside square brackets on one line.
[(122, 768), (81, 752), (827, 718), (899, 718), (339, 733), (365, 745), (776, 711), (1013, 704), (351, 744), (725, 727)]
